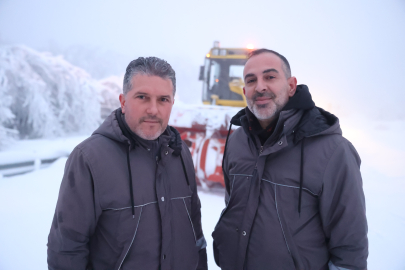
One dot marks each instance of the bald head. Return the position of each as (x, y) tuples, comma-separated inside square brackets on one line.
[(285, 65)]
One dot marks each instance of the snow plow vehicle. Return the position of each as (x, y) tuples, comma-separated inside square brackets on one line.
[(204, 128), (222, 76)]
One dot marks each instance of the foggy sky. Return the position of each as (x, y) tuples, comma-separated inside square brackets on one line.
[(349, 53)]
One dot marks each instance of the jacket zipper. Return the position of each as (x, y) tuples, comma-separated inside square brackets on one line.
[(260, 152)]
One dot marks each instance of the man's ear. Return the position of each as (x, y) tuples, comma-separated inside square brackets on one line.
[(244, 92), (122, 102), (292, 83)]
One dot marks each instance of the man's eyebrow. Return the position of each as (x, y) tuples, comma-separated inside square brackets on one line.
[(165, 96), (264, 72), (270, 70), (249, 75), (140, 93)]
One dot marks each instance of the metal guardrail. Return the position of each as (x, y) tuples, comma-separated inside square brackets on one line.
[(12, 169)]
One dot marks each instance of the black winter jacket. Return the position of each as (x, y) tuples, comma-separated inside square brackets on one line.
[(297, 201), (121, 206)]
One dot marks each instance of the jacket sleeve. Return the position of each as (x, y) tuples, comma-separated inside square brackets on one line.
[(196, 210), (75, 216), (342, 209)]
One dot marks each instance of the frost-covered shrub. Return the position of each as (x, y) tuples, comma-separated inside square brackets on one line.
[(44, 96), (110, 89), (6, 116)]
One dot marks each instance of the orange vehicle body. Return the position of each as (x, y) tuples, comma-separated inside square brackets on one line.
[(207, 153)]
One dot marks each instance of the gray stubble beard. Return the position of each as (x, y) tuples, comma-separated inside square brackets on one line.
[(138, 131), (259, 110), (141, 134)]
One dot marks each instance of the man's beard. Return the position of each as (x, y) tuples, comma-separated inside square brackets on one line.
[(269, 110), (147, 136)]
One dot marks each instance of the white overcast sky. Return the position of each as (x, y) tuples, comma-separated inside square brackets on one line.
[(349, 53)]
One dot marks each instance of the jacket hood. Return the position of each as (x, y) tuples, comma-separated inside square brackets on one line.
[(110, 128), (315, 120), (302, 99), (114, 129)]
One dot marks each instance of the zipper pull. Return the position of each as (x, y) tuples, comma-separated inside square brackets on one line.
[(260, 152)]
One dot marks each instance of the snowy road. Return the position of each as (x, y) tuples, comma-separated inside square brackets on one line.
[(27, 204)]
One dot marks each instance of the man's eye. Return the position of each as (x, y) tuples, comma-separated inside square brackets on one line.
[(141, 97), (164, 99), (250, 81), (270, 77)]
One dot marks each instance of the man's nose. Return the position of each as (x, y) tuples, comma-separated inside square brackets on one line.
[(260, 86), (152, 108)]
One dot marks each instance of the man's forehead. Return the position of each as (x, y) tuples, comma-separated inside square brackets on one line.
[(151, 85), (145, 79), (261, 62), (149, 78)]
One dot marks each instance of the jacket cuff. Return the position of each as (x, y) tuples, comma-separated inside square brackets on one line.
[(201, 243)]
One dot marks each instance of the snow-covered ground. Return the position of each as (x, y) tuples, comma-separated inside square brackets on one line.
[(27, 201)]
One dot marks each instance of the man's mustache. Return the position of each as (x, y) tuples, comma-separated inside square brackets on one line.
[(265, 94), (151, 118)]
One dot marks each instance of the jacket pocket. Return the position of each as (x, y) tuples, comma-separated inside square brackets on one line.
[(188, 211), (129, 244), (226, 235), (184, 236)]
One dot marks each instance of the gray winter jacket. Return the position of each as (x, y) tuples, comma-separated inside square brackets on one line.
[(297, 201), (122, 206)]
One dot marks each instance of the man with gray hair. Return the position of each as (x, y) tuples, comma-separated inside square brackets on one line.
[(128, 197)]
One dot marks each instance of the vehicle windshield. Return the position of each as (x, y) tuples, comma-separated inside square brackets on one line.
[(236, 72), (218, 73)]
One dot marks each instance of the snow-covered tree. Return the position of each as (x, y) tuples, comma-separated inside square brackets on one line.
[(6, 116), (111, 88), (44, 96)]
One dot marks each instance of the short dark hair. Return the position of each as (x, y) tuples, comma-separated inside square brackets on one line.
[(151, 66), (286, 65)]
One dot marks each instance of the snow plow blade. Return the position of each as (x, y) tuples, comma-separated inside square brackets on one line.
[(204, 130)]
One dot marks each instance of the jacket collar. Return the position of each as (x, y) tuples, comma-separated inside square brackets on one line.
[(310, 120), (114, 128)]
